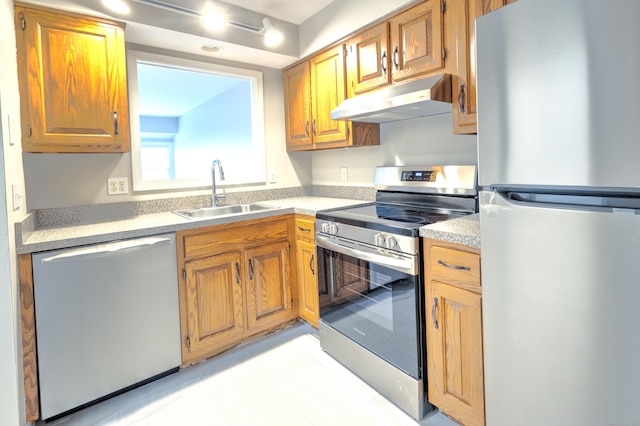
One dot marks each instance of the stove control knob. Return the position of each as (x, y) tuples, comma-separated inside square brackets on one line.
[(333, 229), (325, 228), (391, 242), (378, 240)]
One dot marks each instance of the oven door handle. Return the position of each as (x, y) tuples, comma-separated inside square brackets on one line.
[(406, 264)]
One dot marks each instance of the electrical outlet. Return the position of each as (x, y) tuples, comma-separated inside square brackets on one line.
[(344, 174), (272, 176), (118, 186)]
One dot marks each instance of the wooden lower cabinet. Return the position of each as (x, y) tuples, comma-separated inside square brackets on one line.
[(306, 270), (454, 331), (235, 283)]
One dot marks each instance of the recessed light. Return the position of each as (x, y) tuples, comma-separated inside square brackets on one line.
[(211, 48), (118, 6)]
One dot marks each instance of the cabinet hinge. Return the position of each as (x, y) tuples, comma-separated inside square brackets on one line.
[(29, 130), (184, 274), (23, 23), (444, 6), (292, 304), (444, 53), (187, 342), (348, 131)]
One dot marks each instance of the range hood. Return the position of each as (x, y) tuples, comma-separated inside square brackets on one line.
[(418, 98)]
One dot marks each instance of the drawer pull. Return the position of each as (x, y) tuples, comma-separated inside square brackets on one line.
[(456, 267), (237, 273), (250, 270), (313, 270), (304, 229)]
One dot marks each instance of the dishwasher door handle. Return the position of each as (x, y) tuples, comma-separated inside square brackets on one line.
[(108, 248)]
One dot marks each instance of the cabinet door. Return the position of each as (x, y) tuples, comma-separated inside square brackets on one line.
[(72, 83), (463, 17), (417, 41), (215, 314), (297, 105), (368, 60), (307, 282), (269, 298), (454, 352), (328, 89)]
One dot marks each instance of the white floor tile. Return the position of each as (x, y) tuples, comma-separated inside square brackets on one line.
[(278, 380)]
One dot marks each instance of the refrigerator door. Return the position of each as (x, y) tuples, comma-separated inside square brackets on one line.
[(558, 94), (561, 313)]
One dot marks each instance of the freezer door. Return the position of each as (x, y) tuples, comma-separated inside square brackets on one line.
[(561, 314), (558, 86)]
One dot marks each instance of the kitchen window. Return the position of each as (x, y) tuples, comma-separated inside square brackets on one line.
[(185, 114)]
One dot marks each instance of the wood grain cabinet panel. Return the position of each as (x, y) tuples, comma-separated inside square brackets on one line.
[(463, 15), (312, 90), (72, 77), (214, 297), (454, 342), (308, 304), (368, 60), (453, 301), (269, 298), (417, 41), (297, 89)]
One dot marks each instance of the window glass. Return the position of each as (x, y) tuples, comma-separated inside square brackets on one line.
[(185, 114)]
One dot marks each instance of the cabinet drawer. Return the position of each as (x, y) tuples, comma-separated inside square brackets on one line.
[(305, 228), (455, 266)]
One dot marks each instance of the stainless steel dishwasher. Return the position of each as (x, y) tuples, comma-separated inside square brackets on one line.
[(107, 319)]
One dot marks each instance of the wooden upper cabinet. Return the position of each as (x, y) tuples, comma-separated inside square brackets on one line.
[(368, 60), (417, 41), (312, 89), (328, 90), (72, 77), (297, 89), (463, 14)]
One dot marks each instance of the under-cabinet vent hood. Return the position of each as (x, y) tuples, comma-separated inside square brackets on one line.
[(418, 98)]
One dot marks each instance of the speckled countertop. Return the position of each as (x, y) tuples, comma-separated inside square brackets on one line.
[(31, 240), (464, 230)]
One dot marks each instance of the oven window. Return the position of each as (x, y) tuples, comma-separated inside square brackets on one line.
[(373, 305)]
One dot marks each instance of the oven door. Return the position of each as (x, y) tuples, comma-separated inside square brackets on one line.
[(372, 296)]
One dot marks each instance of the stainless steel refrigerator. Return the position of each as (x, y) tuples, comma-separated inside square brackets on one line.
[(559, 167)]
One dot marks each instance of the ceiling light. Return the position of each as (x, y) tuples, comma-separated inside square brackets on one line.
[(211, 48), (213, 19), (118, 6), (272, 37)]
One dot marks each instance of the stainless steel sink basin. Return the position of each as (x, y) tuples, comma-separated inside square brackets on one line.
[(213, 212)]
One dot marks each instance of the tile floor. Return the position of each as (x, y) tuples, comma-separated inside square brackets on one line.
[(282, 379)]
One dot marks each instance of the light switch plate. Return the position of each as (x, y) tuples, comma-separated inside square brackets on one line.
[(16, 195), (344, 174)]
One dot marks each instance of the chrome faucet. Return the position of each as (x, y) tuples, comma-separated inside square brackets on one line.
[(215, 198)]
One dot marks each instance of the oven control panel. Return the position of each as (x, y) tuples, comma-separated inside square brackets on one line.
[(418, 176)]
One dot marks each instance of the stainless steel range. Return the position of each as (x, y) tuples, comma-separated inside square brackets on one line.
[(370, 276)]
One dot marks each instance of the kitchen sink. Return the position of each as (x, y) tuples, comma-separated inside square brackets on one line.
[(218, 211)]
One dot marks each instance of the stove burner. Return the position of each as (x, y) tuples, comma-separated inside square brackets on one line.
[(406, 217)]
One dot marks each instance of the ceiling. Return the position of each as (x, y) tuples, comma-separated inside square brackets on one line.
[(294, 11)]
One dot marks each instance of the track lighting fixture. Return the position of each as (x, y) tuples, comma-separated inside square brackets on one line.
[(211, 17)]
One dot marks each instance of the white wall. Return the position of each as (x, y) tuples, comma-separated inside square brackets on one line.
[(11, 395), (339, 19), (419, 141)]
